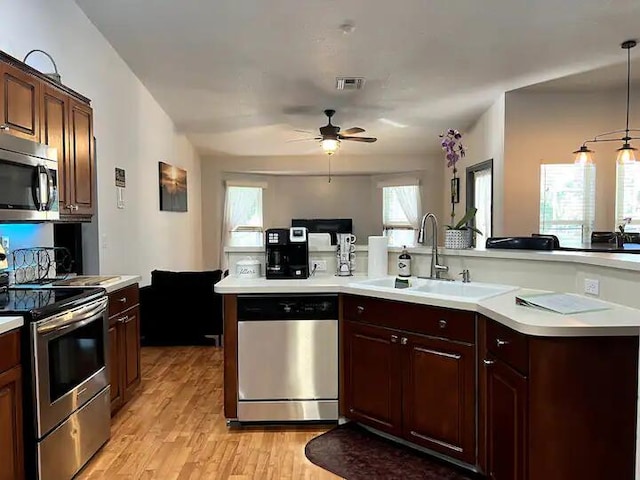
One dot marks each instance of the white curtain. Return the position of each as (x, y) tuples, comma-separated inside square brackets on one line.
[(482, 202), (242, 207), (409, 201)]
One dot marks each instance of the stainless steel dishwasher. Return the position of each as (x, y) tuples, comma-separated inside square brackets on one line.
[(287, 357)]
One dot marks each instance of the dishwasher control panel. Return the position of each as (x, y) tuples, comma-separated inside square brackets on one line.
[(287, 307)]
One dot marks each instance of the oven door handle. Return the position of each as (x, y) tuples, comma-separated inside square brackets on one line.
[(75, 318)]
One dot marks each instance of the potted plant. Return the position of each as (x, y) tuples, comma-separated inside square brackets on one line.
[(457, 235), (460, 235)]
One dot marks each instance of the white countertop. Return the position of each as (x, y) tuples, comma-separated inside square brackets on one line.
[(123, 281), (617, 321), (10, 323)]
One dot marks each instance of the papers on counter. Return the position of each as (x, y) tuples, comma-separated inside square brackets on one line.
[(564, 303)]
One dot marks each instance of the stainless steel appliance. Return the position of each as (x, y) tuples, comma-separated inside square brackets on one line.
[(287, 252), (65, 366), (287, 358), (28, 180), (332, 226)]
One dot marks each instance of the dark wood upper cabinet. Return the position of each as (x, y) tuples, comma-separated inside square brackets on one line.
[(439, 395), (373, 377), (81, 162), (55, 133), (20, 103), (506, 422)]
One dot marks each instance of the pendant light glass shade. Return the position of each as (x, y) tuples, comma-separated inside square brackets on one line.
[(626, 154), (330, 146), (583, 156)]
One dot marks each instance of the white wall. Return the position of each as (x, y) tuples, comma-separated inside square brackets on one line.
[(132, 132), (547, 128), (484, 141), (305, 191)]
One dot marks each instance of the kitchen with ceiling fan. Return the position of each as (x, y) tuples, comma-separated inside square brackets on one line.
[(395, 255)]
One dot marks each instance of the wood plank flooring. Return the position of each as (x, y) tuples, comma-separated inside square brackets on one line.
[(175, 429)]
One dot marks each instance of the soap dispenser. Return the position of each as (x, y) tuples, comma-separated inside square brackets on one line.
[(404, 263)]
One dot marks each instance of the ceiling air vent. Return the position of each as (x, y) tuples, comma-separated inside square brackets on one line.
[(349, 83)]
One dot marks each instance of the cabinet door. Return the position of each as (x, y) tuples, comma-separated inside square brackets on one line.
[(439, 395), (115, 366), (11, 456), (55, 133), (19, 103), (131, 353), (81, 158), (506, 423), (373, 377)]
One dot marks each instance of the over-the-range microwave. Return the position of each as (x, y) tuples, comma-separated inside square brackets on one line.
[(28, 180)]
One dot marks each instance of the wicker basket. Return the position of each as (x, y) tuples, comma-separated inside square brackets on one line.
[(457, 239)]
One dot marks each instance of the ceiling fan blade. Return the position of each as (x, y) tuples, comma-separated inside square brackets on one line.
[(303, 139), (358, 139), (304, 131), (352, 130)]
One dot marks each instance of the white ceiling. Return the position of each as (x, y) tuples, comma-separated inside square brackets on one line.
[(238, 76)]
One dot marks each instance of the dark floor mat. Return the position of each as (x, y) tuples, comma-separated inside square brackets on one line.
[(354, 453)]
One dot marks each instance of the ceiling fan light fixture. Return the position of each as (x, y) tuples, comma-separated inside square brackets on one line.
[(583, 156), (626, 154), (330, 145)]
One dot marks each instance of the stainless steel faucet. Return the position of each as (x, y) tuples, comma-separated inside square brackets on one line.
[(436, 268)]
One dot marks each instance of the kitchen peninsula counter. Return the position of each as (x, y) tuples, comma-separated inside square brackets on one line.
[(618, 320)]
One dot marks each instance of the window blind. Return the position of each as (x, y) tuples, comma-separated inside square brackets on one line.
[(628, 196), (567, 202)]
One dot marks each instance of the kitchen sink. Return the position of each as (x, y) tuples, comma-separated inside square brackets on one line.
[(472, 291)]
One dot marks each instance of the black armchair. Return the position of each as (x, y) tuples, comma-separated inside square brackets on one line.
[(181, 308)]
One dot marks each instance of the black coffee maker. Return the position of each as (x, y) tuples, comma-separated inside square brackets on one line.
[(287, 252)]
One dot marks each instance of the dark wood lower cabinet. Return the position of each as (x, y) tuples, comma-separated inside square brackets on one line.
[(11, 437), (124, 345), (439, 395), (412, 386), (506, 422), (373, 376)]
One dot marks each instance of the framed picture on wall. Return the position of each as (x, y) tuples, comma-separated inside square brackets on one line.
[(455, 190), (173, 188)]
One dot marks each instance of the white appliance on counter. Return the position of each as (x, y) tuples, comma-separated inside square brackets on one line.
[(287, 357)]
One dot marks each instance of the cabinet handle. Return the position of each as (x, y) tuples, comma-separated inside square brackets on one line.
[(442, 323), (501, 343), (360, 309), (4, 127), (488, 362), (123, 319), (394, 338), (123, 300), (404, 340), (75, 208)]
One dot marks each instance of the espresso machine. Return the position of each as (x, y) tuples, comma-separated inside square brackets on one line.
[(287, 251)]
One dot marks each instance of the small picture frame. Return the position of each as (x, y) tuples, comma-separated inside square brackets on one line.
[(455, 190)]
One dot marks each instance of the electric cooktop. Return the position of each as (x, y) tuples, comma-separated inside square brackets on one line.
[(37, 303)]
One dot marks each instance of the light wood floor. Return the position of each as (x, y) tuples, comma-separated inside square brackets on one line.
[(175, 429)]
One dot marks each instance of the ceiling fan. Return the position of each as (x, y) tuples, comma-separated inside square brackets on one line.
[(331, 135)]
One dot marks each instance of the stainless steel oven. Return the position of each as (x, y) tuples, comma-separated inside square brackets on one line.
[(28, 180), (70, 387)]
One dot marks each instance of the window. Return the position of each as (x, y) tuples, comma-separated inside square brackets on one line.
[(243, 216), (480, 196), (567, 202), (628, 196), (401, 213)]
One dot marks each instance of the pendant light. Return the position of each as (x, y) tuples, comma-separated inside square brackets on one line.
[(626, 153)]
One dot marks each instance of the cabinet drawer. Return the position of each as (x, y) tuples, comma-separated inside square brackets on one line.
[(433, 321), (9, 350), (508, 345), (122, 299)]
